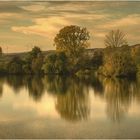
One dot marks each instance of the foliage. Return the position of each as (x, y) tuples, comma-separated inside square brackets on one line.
[(72, 40), (15, 66), (56, 63), (71, 56), (49, 67), (96, 59), (3, 69), (33, 61), (37, 64), (35, 52), (118, 63), (115, 38), (135, 52), (26, 68)]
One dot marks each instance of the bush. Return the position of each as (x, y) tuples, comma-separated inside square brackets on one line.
[(56, 64), (3, 69), (37, 64), (33, 62), (15, 66), (135, 53), (118, 63)]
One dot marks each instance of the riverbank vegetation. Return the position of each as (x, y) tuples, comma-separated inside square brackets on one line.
[(72, 56)]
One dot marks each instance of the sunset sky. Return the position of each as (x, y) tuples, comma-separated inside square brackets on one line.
[(25, 24)]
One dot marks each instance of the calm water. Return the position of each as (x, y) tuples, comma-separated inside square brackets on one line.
[(60, 107)]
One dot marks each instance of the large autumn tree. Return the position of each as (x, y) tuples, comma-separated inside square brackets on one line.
[(72, 40)]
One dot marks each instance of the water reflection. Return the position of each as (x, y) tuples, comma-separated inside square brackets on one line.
[(33, 84), (2, 79), (74, 104), (56, 84), (72, 94), (16, 82), (35, 87), (119, 94), (72, 101)]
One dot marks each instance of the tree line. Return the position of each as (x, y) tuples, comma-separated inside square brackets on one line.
[(73, 57)]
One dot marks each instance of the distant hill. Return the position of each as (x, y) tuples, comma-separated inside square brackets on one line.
[(136, 45), (9, 56), (91, 52), (22, 54)]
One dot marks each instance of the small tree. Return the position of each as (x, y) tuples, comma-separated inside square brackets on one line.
[(33, 61), (35, 52), (37, 64), (118, 64), (115, 38)]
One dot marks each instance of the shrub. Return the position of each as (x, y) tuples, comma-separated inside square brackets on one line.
[(56, 64), (15, 66), (118, 63)]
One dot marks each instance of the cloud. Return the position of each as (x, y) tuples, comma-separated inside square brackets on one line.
[(128, 25), (6, 18), (130, 20), (41, 21), (86, 16), (52, 24), (9, 15), (34, 8), (70, 6), (43, 26)]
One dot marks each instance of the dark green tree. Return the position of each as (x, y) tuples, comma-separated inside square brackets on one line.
[(33, 61), (15, 66), (37, 64), (35, 52), (56, 63)]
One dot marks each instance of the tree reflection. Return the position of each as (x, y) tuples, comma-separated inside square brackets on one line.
[(2, 80), (72, 93), (93, 82), (136, 90), (56, 84), (16, 82), (74, 105), (118, 94), (33, 84), (72, 101), (35, 87)]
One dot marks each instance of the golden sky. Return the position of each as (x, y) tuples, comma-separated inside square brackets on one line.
[(25, 24)]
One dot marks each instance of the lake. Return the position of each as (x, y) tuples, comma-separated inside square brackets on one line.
[(69, 107)]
